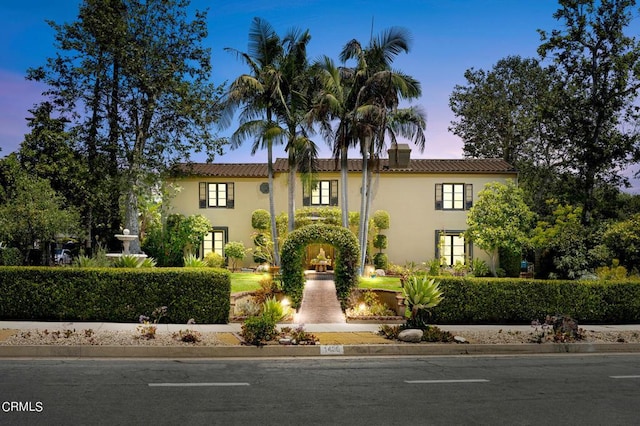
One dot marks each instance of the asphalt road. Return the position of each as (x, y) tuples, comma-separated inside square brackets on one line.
[(536, 390)]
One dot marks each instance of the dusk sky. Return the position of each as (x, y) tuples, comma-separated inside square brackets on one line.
[(449, 37)]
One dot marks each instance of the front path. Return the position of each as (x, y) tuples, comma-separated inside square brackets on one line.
[(320, 304)]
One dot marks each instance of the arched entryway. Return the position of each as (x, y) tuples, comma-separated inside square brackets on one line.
[(345, 265)]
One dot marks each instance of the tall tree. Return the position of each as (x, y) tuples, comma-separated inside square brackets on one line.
[(334, 103), (141, 75), (379, 91), (298, 89), (260, 94), (599, 77), (507, 112)]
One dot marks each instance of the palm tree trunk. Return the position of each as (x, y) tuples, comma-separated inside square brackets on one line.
[(292, 193), (344, 175), (272, 206), (362, 236)]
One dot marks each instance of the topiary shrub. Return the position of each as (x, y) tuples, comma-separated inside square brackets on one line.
[(10, 256), (380, 241), (381, 261), (345, 262), (260, 220), (381, 219)]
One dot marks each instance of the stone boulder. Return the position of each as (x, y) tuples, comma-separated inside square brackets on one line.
[(411, 335)]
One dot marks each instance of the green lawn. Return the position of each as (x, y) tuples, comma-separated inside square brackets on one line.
[(249, 281), (246, 281), (389, 283)]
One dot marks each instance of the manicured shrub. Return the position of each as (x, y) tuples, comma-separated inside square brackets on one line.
[(214, 260), (381, 219), (114, 294), (260, 220), (380, 241), (381, 261), (508, 301)]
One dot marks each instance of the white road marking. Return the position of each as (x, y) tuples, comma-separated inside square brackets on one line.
[(169, 385), (446, 381), (625, 377)]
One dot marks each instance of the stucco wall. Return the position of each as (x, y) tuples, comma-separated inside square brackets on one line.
[(408, 198)]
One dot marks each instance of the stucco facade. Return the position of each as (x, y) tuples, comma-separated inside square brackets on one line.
[(427, 200)]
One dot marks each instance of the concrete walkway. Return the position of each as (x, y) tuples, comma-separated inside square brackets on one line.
[(320, 304)]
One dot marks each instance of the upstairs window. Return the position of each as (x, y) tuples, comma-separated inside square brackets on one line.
[(454, 196), (321, 193), (216, 195)]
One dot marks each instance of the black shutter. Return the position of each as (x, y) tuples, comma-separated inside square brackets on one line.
[(438, 196), (334, 193), (203, 195), (230, 196), (306, 196), (468, 196)]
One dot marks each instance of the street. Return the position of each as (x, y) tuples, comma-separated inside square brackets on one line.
[(558, 389)]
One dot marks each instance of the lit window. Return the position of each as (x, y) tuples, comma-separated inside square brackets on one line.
[(216, 195), (321, 193), (214, 241), (454, 196)]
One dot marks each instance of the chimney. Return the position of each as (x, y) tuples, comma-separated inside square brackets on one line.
[(399, 156)]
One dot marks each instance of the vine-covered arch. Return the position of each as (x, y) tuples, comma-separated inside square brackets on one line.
[(345, 262)]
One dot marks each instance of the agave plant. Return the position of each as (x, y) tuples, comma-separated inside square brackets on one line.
[(127, 261), (273, 309), (148, 262), (420, 294), (191, 261)]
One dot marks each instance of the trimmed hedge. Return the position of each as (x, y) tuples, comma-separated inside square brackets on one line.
[(111, 294), (508, 301), (347, 253)]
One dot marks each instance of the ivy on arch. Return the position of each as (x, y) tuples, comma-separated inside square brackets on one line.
[(347, 254)]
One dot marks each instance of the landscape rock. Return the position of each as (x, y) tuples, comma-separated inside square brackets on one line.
[(460, 339), (411, 335), (380, 273)]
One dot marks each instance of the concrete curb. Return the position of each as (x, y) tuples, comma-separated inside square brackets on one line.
[(421, 349)]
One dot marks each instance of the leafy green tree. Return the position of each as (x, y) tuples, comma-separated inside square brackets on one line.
[(178, 238), (33, 214), (506, 112), (598, 70), (563, 238), (141, 73), (499, 218), (623, 240), (235, 251)]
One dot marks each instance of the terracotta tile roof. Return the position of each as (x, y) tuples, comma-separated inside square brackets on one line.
[(223, 169), (417, 165)]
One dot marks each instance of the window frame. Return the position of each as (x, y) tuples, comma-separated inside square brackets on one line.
[(205, 195), (310, 190), (465, 197), (225, 239), (468, 247)]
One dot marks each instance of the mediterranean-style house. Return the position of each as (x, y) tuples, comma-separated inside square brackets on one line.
[(427, 200)]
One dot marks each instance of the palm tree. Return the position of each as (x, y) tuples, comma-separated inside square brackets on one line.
[(335, 103), (298, 89), (379, 90), (260, 94)]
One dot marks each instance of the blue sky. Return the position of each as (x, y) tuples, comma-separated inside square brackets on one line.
[(449, 37)]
